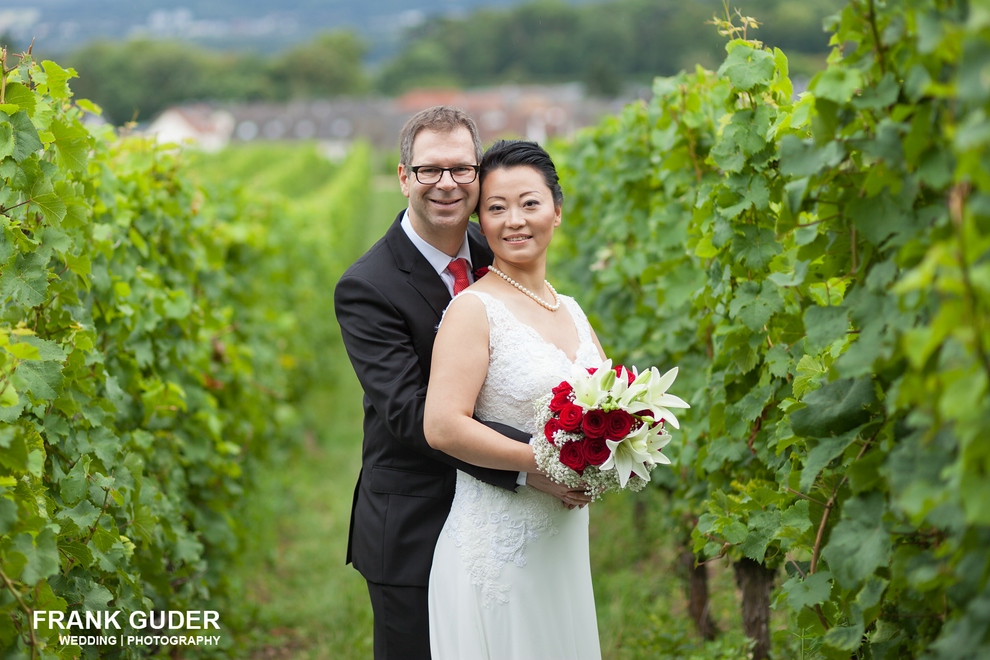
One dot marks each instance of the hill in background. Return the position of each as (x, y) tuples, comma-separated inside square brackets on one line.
[(63, 25)]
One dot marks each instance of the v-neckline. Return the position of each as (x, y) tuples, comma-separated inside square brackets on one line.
[(577, 331)]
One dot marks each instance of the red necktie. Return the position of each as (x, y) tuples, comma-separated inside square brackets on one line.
[(459, 269)]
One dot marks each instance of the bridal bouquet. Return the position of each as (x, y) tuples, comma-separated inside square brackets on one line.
[(604, 428)]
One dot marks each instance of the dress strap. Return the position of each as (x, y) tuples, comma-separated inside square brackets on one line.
[(580, 320), (485, 297), (493, 306)]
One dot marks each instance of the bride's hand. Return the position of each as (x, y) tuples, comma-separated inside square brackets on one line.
[(571, 497)]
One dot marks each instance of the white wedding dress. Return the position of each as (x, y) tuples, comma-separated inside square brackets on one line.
[(511, 577)]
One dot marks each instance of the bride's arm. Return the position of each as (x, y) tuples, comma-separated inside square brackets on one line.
[(459, 367)]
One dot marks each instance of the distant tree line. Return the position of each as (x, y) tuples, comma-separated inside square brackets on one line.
[(135, 80), (604, 45)]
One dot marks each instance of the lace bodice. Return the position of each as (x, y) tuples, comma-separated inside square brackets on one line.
[(491, 525)]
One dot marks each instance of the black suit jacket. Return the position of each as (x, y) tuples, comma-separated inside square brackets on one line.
[(389, 304)]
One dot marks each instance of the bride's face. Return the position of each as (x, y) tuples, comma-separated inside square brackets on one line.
[(517, 214)]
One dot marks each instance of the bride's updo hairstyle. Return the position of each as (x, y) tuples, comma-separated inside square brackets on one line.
[(515, 153)]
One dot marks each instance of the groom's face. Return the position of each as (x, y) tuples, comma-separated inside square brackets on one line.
[(446, 205)]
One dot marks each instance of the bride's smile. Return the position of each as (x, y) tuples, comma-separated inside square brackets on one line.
[(518, 216)]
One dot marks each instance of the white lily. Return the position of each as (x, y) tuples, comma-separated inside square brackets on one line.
[(630, 455), (655, 443), (658, 401), (630, 393), (590, 390)]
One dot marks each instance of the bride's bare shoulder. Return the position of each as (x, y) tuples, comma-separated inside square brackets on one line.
[(466, 308), (464, 324)]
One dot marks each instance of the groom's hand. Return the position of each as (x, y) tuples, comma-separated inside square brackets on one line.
[(571, 497)]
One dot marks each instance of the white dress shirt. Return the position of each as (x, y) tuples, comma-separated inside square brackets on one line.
[(437, 258)]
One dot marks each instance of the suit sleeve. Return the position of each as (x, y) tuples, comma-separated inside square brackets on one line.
[(384, 358)]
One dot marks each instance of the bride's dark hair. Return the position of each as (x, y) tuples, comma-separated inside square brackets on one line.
[(514, 153)]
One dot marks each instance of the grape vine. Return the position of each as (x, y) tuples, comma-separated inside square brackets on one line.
[(151, 356), (820, 268)]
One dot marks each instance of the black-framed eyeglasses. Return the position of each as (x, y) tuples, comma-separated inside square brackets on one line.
[(430, 174)]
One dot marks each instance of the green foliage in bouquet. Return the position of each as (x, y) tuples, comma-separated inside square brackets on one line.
[(820, 269)]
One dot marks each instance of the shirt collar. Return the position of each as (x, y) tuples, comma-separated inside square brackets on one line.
[(437, 258)]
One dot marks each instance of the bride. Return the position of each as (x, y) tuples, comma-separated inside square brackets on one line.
[(511, 576)]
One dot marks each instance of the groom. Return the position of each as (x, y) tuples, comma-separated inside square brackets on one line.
[(389, 304)]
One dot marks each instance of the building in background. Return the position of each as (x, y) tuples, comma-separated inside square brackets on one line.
[(510, 111)]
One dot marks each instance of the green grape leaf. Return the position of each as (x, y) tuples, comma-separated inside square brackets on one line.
[(95, 597), (835, 408), (750, 406), (40, 555), (808, 592), (821, 455), (23, 351), (803, 158), (25, 281), (6, 140), (46, 349), (83, 514), (72, 145), (795, 518), (880, 95), (8, 515), (20, 140), (46, 200), (880, 217), (77, 552), (871, 593), (756, 246), (756, 312), (810, 371), (143, 523), (836, 84), (74, 485), (746, 66), (845, 638), (57, 80), (860, 543), (824, 325), (763, 526), (17, 94), (778, 361), (793, 277), (42, 379)]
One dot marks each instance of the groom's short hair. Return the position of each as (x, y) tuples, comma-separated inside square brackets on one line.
[(439, 118)]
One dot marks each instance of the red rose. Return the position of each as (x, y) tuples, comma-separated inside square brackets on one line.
[(592, 370), (550, 428), (619, 424), (595, 423), (559, 400), (564, 387), (618, 369), (595, 451), (572, 456), (480, 272), (570, 417)]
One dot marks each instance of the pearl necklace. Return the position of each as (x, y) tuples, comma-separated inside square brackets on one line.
[(543, 303)]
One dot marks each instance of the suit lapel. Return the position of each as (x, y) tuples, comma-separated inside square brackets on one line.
[(421, 275), (419, 272)]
